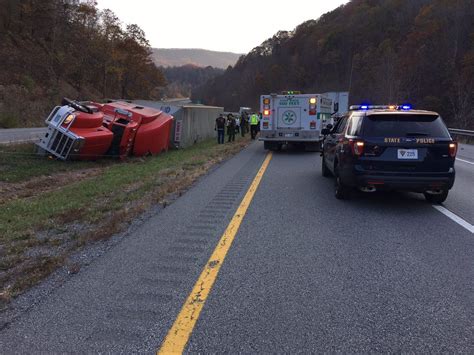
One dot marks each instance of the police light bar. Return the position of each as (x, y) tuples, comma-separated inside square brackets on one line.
[(291, 92), (404, 107)]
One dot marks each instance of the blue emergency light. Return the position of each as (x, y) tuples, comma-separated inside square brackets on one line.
[(404, 107)]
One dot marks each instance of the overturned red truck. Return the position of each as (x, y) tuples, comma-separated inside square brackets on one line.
[(90, 130)]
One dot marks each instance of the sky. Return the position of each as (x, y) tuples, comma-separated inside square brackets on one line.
[(221, 25)]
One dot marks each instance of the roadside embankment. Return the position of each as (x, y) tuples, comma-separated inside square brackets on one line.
[(50, 209)]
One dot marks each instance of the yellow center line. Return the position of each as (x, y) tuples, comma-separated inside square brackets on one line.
[(180, 332)]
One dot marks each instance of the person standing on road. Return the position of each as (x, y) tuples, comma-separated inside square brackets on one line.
[(231, 127), (253, 125), (242, 124), (220, 128), (237, 124)]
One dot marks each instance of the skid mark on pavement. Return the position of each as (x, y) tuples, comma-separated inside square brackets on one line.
[(178, 335)]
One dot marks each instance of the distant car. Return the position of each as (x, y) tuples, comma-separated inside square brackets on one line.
[(390, 148)]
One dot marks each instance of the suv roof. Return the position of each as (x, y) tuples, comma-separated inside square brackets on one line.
[(397, 112)]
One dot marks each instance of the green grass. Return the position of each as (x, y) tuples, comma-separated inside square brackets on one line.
[(99, 203), (19, 163), (23, 214)]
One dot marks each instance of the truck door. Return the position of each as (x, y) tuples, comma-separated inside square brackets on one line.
[(288, 113)]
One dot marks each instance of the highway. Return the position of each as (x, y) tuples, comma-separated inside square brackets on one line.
[(21, 135), (292, 270)]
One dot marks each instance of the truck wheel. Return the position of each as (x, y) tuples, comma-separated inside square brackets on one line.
[(436, 197), (324, 169), (341, 191)]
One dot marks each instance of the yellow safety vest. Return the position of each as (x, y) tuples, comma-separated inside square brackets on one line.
[(254, 120)]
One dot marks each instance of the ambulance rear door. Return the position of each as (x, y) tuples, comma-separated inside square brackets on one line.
[(288, 109)]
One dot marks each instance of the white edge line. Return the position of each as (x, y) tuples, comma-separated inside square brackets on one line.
[(465, 161), (455, 218)]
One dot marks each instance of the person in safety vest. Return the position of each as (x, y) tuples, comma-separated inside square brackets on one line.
[(254, 123)]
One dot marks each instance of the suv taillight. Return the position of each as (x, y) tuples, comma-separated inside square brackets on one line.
[(357, 147), (453, 149)]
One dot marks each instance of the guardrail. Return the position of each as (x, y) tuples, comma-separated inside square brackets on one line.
[(461, 132)]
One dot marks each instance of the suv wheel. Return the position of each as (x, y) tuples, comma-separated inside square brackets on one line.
[(341, 191), (435, 196), (324, 169)]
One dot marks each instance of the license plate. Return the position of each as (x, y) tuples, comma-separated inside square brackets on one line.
[(288, 134), (407, 154)]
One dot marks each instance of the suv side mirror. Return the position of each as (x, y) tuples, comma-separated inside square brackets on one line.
[(326, 131)]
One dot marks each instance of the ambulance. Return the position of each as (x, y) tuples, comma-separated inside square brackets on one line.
[(294, 118)]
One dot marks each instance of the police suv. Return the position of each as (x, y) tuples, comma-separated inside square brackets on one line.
[(390, 148)]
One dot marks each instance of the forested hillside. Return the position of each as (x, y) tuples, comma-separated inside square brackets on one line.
[(55, 48), (182, 80), (383, 51)]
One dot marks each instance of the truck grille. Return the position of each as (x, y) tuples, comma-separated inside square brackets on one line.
[(59, 143)]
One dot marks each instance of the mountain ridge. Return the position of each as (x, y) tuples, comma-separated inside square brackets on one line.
[(175, 57)]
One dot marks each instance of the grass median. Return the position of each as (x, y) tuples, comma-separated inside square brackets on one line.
[(50, 209)]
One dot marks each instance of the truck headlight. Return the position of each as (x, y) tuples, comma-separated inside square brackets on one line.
[(68, 119)]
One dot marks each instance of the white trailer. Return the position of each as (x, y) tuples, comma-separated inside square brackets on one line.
[(294, 118), (340, 102), (245, 109)]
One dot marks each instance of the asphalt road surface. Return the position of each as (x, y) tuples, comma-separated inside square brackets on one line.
[(21, 135), (383, 272)]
